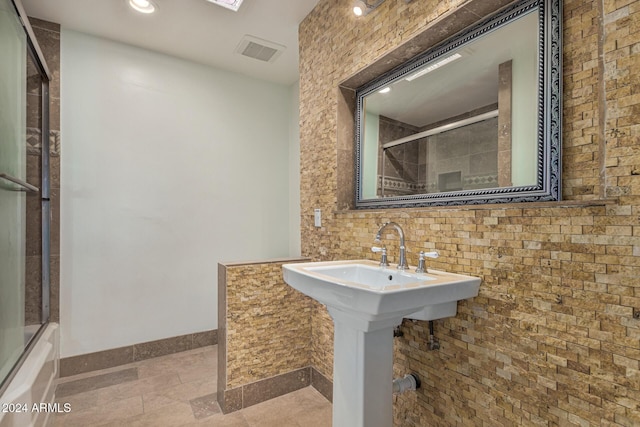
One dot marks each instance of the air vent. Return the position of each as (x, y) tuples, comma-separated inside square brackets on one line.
[(259, 49)]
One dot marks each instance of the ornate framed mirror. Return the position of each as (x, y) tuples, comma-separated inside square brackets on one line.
[(473, 120)]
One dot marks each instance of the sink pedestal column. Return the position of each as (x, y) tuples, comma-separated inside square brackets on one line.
[(362, 370)]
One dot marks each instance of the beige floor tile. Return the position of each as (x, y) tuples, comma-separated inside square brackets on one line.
[(304, 400), (319, 417), (306, 406), (108, 395), (146, 385), (167, 387), (96, 382), (300, 402), (179, 362), (272, 413), (93, 373), (198, 372), (168, 416), (235, 419), (86, 400), (177, 393), (102, 414)]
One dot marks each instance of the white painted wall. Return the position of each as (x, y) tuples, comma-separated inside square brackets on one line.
[(168, 167)]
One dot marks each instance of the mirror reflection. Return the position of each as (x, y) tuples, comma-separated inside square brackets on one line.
[(465, 120)]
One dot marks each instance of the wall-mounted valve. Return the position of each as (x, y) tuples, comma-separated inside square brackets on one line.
[(410, 382)]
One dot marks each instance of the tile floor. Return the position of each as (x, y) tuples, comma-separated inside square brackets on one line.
[(176, 390)]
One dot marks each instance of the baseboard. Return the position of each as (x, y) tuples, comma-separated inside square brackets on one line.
[(134, 353), (232, 400), (321, 383)]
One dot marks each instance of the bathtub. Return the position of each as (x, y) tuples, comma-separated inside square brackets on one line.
[(28, 400)]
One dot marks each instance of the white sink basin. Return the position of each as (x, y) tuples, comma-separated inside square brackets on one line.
[(365, 275), (366, 302), (372, 293)]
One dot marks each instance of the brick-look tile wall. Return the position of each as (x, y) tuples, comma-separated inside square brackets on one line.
[(267, 324), (551, 339), (582, 132)]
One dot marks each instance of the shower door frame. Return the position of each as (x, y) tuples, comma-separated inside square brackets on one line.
[(34, 51)]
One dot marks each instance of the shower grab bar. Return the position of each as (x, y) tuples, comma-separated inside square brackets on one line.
[(25, 185)]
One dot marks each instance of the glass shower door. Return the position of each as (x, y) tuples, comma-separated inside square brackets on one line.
[(13, 48)]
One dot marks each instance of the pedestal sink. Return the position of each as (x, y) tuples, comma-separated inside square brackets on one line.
[(366, 302)]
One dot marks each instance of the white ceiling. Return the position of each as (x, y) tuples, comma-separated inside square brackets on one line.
[(195, 30)]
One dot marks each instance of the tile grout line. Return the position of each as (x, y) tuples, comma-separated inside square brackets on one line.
[(142, 399)]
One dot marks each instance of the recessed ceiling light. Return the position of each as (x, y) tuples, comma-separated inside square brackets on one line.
[(143, 6), (229, 4), (358, 8), (363, 7)]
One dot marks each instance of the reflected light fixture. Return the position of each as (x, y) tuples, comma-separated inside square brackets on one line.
[(435, 66), (364, 7), (143, 6), (385, 90)]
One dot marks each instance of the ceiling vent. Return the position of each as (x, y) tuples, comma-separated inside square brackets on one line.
[(259, 49)]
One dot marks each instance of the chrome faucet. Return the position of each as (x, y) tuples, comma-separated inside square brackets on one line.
[(402, 262)]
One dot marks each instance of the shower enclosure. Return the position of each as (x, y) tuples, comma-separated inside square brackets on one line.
[(24, 190)]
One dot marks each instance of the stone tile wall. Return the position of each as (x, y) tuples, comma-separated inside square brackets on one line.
[(554, 336), (265, 331)]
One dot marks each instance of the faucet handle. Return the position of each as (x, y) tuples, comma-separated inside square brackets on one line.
[(421, 268), (383, 258)]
